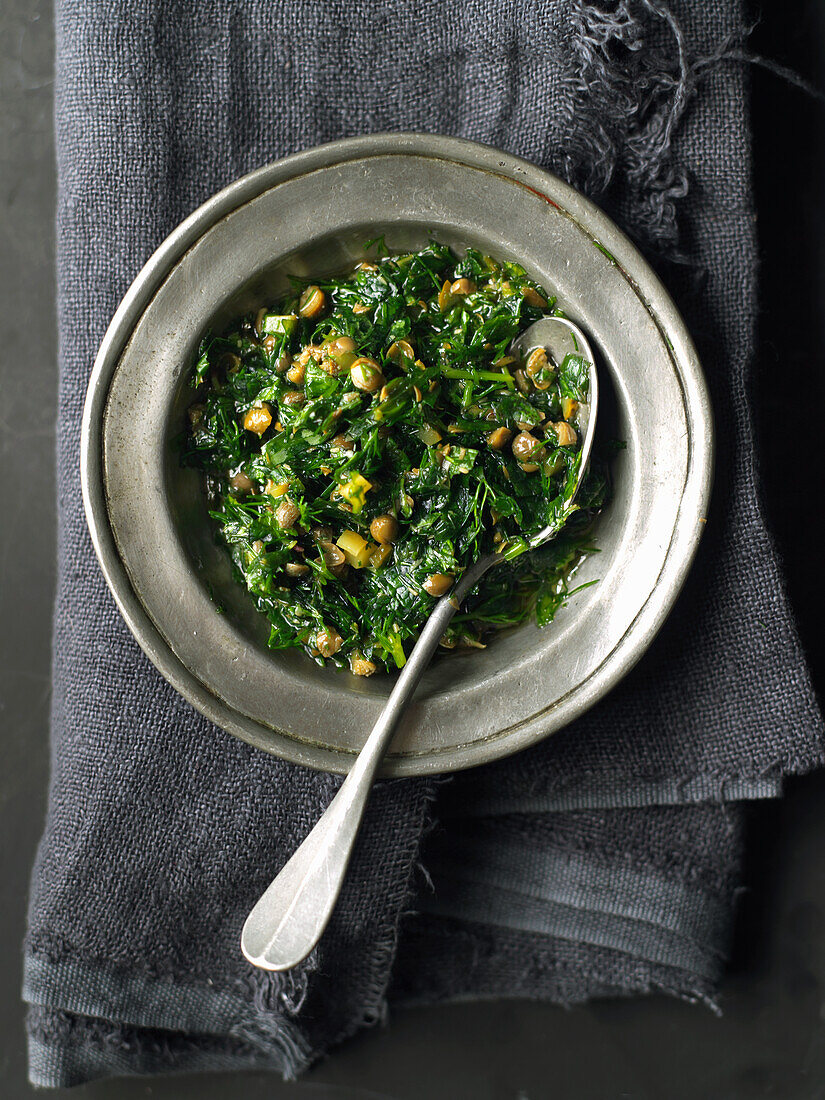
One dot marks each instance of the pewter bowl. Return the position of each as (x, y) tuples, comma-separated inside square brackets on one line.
[(310, 215)]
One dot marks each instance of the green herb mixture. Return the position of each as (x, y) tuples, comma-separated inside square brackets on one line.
[(372, 436)]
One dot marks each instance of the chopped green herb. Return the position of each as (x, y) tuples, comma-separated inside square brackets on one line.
[(371, 436)]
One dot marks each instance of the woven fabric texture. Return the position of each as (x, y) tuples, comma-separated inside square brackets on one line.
[(603, 861)]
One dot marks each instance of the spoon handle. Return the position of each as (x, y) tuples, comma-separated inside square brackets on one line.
[(293, 912)]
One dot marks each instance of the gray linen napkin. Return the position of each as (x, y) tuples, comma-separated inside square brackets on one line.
[(603, 861)]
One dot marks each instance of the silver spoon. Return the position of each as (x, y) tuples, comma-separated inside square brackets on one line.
[(293, 912)]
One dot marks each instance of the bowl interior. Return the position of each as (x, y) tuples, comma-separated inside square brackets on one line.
[(331, 255)]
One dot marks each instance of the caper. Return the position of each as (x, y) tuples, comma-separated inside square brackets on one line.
[(384, 529), (438, 583), (333, 555), (399, 351), (230, 362), (328, 641), (565, 434), (334, 558), (341, 443), (533, 298), (527, 448), (366, 375), (293, 397), (522, 381), (257, 419), (296, 373), (445, 298), (341, 345), (311, 351), (536, 361), (319, 532), (283, 363), (296, 569), (498, 438), (538, 369), (287, 514), (360, 665), (312, 301), (241, 483)]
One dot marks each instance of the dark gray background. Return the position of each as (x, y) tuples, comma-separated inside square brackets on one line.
[(770, 1041)]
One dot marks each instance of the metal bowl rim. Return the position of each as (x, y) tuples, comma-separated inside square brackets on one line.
[(604, 233)]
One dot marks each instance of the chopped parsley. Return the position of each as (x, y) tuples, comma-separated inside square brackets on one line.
[(370, 436)]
